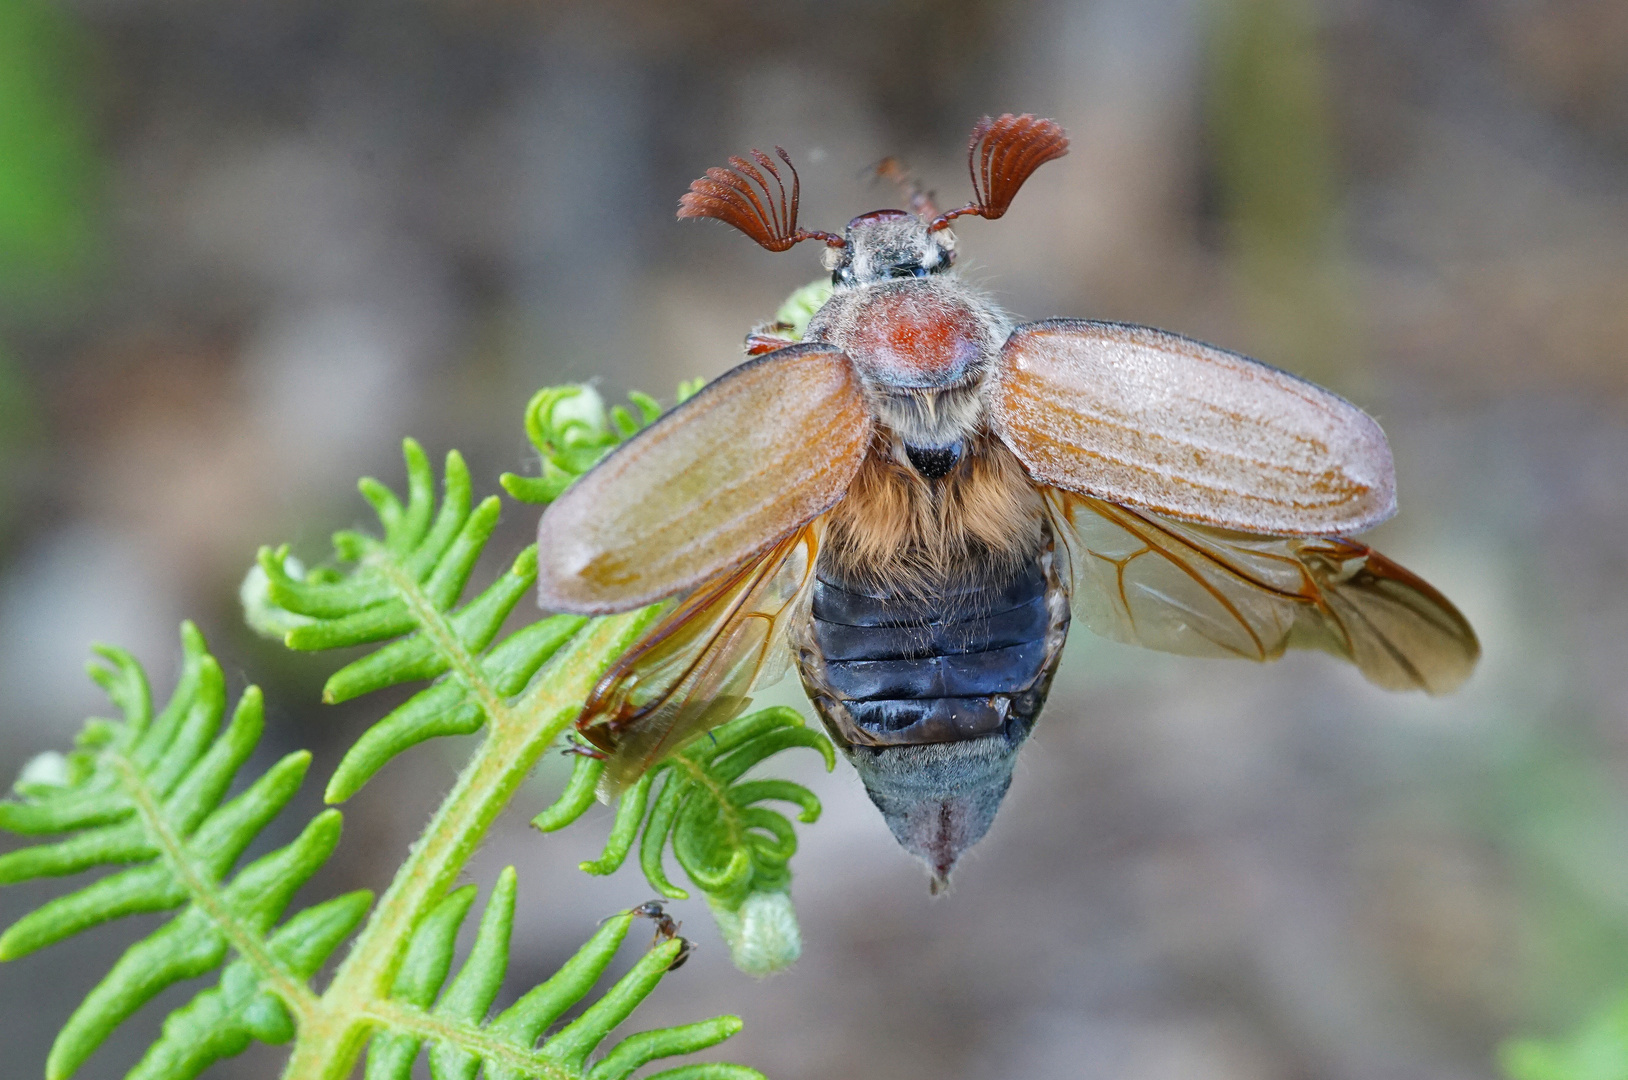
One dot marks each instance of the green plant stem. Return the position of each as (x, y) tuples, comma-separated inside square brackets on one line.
[(206, 894), (516, 736), (492, 1050)]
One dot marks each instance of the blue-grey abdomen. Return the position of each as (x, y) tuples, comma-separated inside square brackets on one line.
[(907, 669)]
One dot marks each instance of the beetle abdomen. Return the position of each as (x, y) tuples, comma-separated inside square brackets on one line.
[(911, 670)]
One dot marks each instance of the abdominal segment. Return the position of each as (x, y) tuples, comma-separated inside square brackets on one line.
[(888, 669)]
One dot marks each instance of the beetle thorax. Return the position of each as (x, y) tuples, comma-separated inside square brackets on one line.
[(922, 349)]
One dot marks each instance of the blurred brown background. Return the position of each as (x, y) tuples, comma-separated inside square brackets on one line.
[(245, 247)]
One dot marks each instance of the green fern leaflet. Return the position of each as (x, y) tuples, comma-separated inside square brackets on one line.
[(146, 798), (146, 793)]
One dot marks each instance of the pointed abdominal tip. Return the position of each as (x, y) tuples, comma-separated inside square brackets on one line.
[(938, 799)]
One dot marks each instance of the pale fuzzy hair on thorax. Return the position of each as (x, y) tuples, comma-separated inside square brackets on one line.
[(901, 532), (929, 417)]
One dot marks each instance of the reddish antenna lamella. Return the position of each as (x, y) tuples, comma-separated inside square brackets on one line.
[(1001, 154)]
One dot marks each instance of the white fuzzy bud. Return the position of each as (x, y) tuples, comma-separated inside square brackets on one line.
[(762, 935)]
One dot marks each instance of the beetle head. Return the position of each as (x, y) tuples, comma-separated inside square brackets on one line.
[(887, 244)]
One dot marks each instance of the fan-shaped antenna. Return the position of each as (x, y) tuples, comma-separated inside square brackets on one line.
[(769, 219), (1001, 155)]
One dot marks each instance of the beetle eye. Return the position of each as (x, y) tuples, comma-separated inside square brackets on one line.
[(906, 270)]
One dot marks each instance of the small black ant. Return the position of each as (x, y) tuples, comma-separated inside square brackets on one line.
[(666, 930)]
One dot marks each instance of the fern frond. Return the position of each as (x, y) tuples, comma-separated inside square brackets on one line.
[(731, 847), (405, 586), (452, 1023), (734, 850), (220, 1021), (148, 793), (572, 430), (523, 690)]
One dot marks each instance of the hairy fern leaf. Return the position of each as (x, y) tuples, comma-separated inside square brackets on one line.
[(731, 847), (221, 1021), (451, 1019), (148, 793), (405, 586)]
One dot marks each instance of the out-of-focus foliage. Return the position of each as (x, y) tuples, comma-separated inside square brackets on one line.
[(1269, 116), (15, 416), (1272, 151), (49, 175), (16, 424), (49, 168), (1598, 1050), (1564, 818)]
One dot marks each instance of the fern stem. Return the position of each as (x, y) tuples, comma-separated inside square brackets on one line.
[(516, 736), (205, 893), (436, 626), (493, 1050)]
